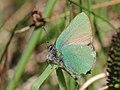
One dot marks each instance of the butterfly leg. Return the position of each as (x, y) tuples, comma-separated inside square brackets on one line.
[(74, 75), (53, 62)]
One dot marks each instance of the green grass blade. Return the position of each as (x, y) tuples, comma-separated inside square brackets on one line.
[(43, 76), (97, 33), (49, 7), (80, 3), (89, 6), (7, 45), (71, 12), (24, 59), (73, 85), (61, 79), (105, 20)]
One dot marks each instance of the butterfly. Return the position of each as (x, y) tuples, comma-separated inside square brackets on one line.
[(74, 50)]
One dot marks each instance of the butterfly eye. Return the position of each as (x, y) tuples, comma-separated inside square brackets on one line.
[(50, 47)]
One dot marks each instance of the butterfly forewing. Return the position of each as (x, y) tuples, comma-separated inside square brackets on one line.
[(78, 32)]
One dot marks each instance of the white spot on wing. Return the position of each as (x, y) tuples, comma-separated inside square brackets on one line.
[(93, 54)]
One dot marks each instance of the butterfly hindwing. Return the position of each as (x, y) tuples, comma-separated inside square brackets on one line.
[(78, 59), (78, 32)]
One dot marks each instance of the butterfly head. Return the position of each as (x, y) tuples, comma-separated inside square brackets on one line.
[(51, 48), (51, 52)]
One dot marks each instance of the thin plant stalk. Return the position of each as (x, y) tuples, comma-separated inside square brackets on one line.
[(80, 3), (7, 45), (71, 13), (61, 79), (97, 33), (105, 20), (89, 6)]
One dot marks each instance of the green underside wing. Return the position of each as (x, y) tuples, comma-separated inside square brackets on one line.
[(74, 46), (78, 59)]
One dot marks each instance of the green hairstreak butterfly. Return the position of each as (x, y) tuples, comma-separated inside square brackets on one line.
[(73, 49)]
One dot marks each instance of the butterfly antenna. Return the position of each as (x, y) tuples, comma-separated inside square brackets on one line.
[(55, 41), (48, 38)]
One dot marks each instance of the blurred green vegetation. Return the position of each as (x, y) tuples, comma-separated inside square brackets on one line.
[(102, 33)]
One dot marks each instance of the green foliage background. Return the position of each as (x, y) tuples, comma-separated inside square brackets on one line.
[(104, 26)]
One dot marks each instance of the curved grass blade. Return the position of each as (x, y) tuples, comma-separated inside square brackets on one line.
[(97, 33), (43, 76), (7, 45), (61, 79)]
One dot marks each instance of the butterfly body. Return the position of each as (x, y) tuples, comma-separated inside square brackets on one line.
[(73, 49), (54, 56)]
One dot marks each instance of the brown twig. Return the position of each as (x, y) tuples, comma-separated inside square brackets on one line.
[(93, 79), (103, 88), (24, 29), (105, 4)]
